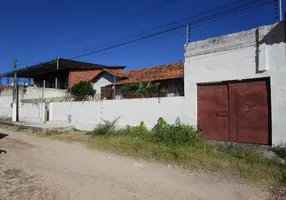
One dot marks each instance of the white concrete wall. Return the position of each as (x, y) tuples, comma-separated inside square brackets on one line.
[(31, 112), (235, 57), (37, 93), (101, 81), (86, 115), (6, 98)]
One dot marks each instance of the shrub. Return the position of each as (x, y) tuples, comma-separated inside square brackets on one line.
[(82, 90), (142, 132), (176, 134)]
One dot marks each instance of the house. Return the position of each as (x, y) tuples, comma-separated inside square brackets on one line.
[(169, 76), (98, 77)]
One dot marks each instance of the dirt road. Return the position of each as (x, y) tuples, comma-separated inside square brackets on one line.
[(39, 168)]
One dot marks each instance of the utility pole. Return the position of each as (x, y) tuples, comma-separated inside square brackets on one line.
[(15, 81), (15, 103)]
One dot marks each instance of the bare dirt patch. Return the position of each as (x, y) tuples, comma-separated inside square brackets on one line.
[(39, 168)]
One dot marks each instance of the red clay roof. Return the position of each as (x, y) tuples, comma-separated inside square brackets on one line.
[(77, 76), (156, 73), (4, 86), (116, 72)]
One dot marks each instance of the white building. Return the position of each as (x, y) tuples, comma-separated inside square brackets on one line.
[(235, 85)]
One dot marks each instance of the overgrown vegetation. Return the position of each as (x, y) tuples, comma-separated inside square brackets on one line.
[(170, 134), (82, 90)]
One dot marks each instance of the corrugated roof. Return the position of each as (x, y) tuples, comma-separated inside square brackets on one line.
[(51, 66)]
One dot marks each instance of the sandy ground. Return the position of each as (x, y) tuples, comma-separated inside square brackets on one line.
[(39, 168)]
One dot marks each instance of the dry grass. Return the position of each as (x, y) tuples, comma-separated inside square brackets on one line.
[(15, 184)]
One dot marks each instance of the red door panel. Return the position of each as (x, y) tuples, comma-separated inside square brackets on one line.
[(249, 107), (237, 112), (213, 112)]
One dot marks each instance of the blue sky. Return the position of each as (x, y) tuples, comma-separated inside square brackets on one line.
[(36, 31)]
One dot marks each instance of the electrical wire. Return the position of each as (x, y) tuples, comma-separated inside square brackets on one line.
[(173, 23), (237, 9), (207, 18)]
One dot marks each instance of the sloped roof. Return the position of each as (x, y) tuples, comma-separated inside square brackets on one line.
[(77, 76), (155, 73), (116, 72)]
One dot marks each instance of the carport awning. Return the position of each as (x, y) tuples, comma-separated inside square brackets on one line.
[(51, 66)]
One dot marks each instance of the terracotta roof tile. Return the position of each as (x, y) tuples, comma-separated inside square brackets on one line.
[(5, 86), (77, 76), (156, 73), (116, 72)]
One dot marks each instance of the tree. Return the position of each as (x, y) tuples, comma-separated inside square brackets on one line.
[(142, 89), (82, 90)]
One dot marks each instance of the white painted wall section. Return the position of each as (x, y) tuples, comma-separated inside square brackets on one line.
[(86, 115), (38, 93), (6, 99), (32, 112)]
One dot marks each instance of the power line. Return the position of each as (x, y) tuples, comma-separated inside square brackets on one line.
[(207, 18), (137, 44), (119, 22), (196, 20), (174, 22)]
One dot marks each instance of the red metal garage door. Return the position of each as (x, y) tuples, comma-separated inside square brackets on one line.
[(236, 112)]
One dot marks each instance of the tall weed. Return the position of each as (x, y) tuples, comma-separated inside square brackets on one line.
[(106, 128)]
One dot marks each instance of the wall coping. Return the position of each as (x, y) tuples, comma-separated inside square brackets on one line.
[(253, 37)]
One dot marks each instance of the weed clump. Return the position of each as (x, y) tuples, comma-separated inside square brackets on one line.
[(169, 134)]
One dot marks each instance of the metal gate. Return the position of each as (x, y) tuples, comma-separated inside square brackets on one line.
[(235, 111)]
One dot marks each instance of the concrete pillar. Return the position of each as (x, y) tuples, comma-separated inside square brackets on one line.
[(14, 112), (56, 82)]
